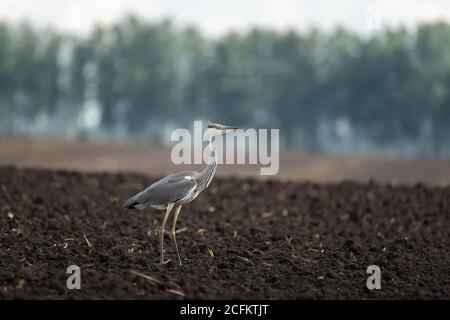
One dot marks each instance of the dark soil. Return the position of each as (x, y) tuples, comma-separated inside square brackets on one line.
[(50, 220)]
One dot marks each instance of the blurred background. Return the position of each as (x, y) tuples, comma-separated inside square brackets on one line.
[(359, 89)]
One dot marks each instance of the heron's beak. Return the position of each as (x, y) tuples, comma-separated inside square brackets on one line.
[(231, 129), (220, 129)]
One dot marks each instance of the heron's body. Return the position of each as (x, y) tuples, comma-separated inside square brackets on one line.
[(155, 196), (174, 191), (178, 188)]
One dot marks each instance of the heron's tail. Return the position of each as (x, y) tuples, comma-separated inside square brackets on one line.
[(130, 203)]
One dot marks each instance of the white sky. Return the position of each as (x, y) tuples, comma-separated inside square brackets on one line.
[(216, 17)]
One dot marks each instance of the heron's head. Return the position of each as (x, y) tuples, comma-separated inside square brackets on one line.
[(215, 129)]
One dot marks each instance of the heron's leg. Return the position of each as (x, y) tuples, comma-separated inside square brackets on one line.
[(173, 231), (161, 233)]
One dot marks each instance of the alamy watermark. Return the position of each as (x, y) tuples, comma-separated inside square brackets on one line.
[(374, 280), (246, 146), (373, 17), (74, 280)]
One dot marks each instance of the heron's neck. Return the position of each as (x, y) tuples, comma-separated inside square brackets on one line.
[(210, 170)]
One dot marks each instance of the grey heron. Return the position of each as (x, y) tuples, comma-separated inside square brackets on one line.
[(176, 190)]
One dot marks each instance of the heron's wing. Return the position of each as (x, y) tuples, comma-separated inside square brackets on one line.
[(168, 189)]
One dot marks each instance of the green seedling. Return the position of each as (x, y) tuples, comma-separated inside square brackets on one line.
[(235, 234), (289, 240), (20, 284), (210, 253)]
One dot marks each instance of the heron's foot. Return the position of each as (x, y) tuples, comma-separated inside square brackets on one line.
[(165, 262)]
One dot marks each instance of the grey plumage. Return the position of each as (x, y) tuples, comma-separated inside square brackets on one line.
[(171, 189), (177, 189)]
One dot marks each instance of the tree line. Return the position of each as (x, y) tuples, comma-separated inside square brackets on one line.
[(387, 93)]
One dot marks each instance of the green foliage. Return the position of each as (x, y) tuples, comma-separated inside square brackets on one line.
[(389, 90)]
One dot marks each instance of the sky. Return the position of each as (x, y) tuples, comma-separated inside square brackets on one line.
[(216, 17)]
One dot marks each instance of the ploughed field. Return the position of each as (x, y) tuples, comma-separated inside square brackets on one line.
[(242, 238)]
